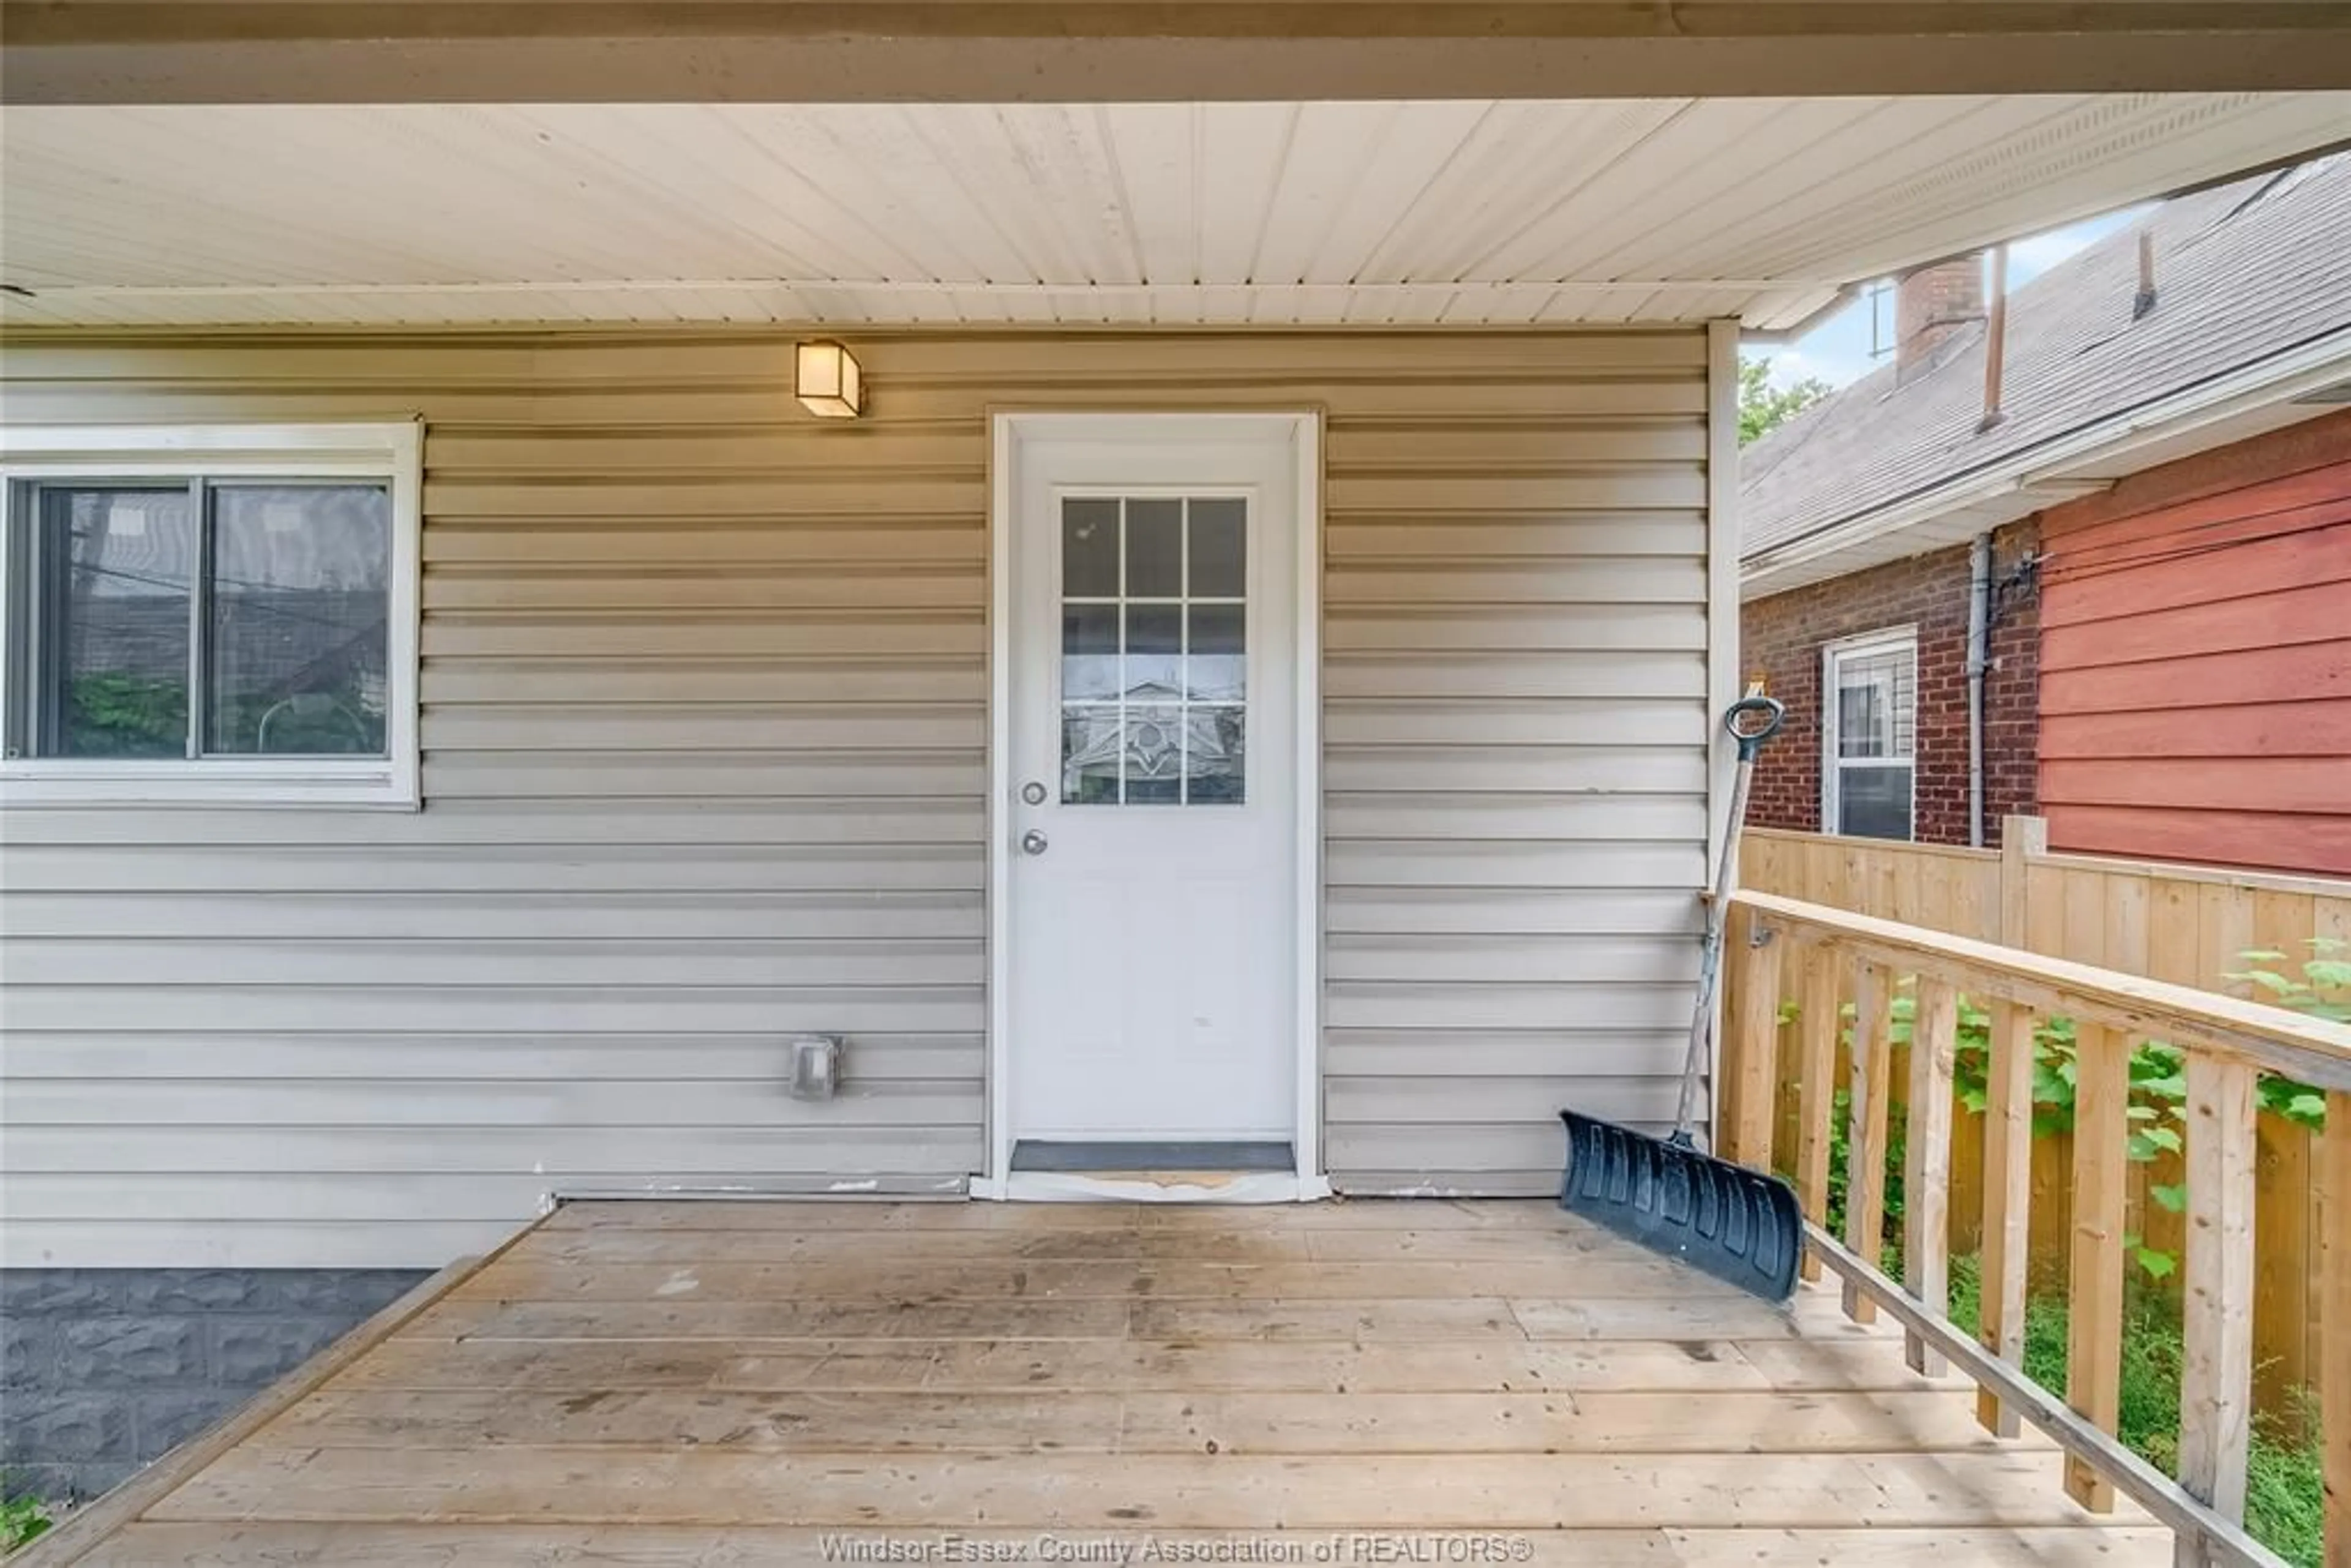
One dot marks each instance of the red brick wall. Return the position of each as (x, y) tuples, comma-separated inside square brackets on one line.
[(1780, 642)]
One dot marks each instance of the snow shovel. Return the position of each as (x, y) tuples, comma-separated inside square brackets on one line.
[(1740, 1225)]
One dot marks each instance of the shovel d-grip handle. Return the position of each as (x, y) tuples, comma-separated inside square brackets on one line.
[(1751, 721)]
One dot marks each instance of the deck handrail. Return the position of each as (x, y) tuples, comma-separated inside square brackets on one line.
[(2314, 1051), (2226, 1043)]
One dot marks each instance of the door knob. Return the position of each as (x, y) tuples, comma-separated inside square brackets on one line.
[(1032, 843)]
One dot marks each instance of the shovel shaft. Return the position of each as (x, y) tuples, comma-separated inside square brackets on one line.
[(1767, 715)]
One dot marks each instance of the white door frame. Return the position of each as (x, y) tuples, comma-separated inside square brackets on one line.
[(1302, 431)]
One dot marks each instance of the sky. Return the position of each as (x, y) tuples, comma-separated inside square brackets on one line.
[(1837, 351)]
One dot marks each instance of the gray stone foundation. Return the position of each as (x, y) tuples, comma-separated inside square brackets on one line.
[(102, 1370)]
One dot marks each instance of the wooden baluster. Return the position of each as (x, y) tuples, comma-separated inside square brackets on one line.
[(1816, 1034), (1865, 1187), (2007, 1200), (2094, 1325), (2216, 1385), (1756, 1041), (2335, 1323), (1926, 1164)]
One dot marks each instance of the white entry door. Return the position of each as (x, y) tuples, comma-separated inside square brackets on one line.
[(1152, 825)]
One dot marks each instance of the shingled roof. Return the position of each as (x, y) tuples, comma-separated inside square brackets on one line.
[(2248, 274)]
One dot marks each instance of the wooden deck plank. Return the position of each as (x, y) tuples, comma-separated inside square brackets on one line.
[(801, 1421), (1155, 1366), (1700, 1314), (1464, 1317), (689, 1319), (1856, 1362), (875, 1214), (885, 1372), (1225, 1244), (1283, 1421), (1205, 1491), (1856, 1365), (287, 1546), (982, 1280), (1120, 1244), (1905, 1548), (340, 1545)]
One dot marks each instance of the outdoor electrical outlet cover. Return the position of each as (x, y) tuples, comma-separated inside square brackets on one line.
[(816, 1066)]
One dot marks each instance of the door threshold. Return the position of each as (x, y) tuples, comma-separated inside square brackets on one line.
[(1153, 1186), (1097, 1156)]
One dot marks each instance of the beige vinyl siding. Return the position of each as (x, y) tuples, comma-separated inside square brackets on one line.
[(1515, 685), (706, 734)]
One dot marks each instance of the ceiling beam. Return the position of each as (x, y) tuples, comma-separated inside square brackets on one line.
[(1004, 51)]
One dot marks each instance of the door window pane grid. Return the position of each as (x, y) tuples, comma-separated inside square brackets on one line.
[(1153, 649)]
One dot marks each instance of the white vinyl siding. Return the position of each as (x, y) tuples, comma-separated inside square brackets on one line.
[(704, 726)]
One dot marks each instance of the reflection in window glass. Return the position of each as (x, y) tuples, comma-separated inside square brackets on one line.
[(1155, 755), (1155, 653), (1220, 549), (1154, 670), (1214, 766), (1090, 756), (117, 670), (1875, 703), (1875, 802), (1089, 548), (1089, 651), (1154, 549), (300, 607), (1215, 668)]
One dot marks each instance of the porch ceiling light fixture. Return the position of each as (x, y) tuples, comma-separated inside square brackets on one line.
[(828, 382)]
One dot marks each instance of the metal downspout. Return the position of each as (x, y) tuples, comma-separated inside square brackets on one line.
[(1978, 660)]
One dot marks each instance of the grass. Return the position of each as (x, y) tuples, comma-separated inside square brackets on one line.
[(2284, 1506), (22, 1519)]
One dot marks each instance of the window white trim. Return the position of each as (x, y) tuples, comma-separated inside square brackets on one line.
[(1890, 640), (390, 453)]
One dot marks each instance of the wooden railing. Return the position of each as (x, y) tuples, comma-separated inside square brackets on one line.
[(2189, 925), (1839, 958)]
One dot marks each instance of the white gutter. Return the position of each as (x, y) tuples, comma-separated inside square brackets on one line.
[(2051, 463)]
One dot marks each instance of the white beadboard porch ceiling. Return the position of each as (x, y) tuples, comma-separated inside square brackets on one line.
[(1373, 213)]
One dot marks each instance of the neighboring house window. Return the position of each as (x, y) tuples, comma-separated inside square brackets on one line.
[(1870, 687), (222, 615)]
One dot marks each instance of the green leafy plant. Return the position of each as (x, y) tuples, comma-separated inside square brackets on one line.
[(2321, 991), (2157, 1072), (23, 1519), (2157, 1092), (1763, 408)]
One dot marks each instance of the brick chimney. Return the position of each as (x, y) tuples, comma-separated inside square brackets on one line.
[(1932, 303)]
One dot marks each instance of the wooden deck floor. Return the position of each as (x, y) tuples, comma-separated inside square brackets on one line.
[(665, 1384)]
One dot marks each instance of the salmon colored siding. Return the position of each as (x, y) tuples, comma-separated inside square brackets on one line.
[(2196, 658)]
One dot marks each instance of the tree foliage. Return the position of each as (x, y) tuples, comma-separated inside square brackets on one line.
[(1763, 408)]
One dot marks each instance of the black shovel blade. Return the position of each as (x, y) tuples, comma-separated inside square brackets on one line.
[(1741, 1227)]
